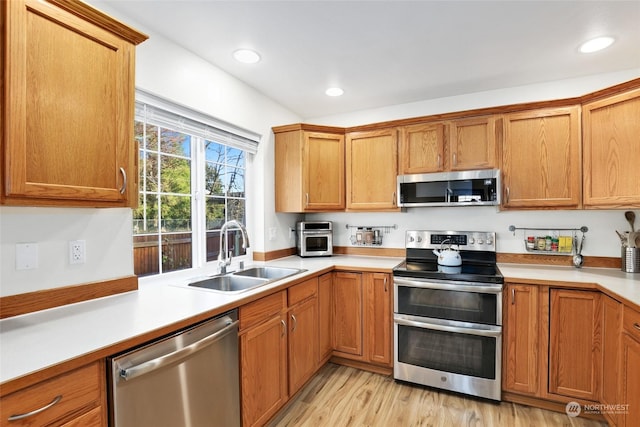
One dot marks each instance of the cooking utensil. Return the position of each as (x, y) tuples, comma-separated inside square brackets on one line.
[(631, 217), (623, 238), (577, 258), (632, 239)]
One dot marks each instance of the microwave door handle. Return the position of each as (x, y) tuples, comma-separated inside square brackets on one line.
[(449, 285), (446, 328)]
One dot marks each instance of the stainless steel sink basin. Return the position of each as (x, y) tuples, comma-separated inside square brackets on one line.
[(271, 273), (229, 283), (245, 280)]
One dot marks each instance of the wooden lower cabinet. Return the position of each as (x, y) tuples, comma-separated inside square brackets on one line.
[(303, 337), (362, 307), (575, 343), (80, 396), (379, 318), (629, 383), (263, 358), (325, 319), (611, 335), (347, 314), (521, 346)]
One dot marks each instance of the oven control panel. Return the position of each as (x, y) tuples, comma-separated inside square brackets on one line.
[(467, 240)]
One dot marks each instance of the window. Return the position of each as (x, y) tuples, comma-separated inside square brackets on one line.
[(192, 173)]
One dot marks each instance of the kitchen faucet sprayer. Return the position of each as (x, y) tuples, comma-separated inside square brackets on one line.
[(225, 257)]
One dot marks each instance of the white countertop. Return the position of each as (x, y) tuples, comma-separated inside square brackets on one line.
[(32, 342)]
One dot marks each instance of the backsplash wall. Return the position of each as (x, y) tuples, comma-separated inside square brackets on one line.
[(600, 240)]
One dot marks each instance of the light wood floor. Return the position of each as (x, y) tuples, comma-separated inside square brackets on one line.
[(342, 396)]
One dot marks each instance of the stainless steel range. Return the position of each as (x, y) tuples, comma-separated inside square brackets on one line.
[(448, 312)]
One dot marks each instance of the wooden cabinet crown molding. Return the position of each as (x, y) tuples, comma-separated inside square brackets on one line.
[(96, 17)]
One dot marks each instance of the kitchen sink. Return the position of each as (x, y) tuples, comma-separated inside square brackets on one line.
[(245, 280), (229, 283), (271, 273)]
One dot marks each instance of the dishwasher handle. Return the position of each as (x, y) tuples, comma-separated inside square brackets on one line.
[(183, 353)]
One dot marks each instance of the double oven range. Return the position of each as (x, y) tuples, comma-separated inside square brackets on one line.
[(448, 320)]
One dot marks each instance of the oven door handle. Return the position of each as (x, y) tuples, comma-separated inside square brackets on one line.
[(445, 328), (449, 285)]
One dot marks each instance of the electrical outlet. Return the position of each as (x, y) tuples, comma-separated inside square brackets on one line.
[(77, 252)]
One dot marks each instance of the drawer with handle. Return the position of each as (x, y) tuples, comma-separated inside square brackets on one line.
[(631, 322), (61, 398)]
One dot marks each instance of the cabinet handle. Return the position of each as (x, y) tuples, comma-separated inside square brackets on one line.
[(386, 279), (455, 159), (295, 323), (307, 199), (393, 198), (55, 400), (513, 296), (637, 326), (284, 328), (124, 180), (439, 161), (508, 194)]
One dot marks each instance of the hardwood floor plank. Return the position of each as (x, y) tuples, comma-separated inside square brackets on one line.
[(339, 396)]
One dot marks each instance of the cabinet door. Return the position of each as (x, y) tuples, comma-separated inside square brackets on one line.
[(541, 159), (379, 318), (422, 148), (630, 381), (612, 151), (611, 332), (472, 144), (372, 169), (325, 319), (324, 171), (69, 127), (575, 343), (347, 313), (263, 364), (303, 343), (522, 346)]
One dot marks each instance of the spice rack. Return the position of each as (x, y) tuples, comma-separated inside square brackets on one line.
[(370, 235), (551, 241)]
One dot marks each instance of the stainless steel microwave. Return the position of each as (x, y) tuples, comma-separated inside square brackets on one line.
[(465, 188)]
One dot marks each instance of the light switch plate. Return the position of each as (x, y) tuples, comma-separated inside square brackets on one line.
[(26, 256)]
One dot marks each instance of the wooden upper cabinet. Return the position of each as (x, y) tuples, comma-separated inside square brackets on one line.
[(472, 143), (611, 151), (463, 144), (68, 106), (309, 171), (372, 170), (541, 159), (422, 148)]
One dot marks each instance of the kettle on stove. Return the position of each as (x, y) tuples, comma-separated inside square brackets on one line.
[(448, 256)]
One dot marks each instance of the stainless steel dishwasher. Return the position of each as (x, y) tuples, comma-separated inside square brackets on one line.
[(189, 379)]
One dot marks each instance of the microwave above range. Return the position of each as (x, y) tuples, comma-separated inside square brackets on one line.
[(465, 188)]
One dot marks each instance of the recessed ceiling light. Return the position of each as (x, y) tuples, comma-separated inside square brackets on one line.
[(596, 44), (334, 91), (246, 56)]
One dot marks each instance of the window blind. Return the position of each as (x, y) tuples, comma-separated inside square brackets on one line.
[(160, 112)]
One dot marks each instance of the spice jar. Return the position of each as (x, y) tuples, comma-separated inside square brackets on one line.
[(547, 243), (531, 242), (541, 243)]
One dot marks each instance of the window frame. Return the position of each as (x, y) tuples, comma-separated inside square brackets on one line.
[(221, 136)]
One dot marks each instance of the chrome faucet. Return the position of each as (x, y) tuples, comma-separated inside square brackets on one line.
[(224, 257)]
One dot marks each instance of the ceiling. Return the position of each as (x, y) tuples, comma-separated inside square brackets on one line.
[(393, 52)]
